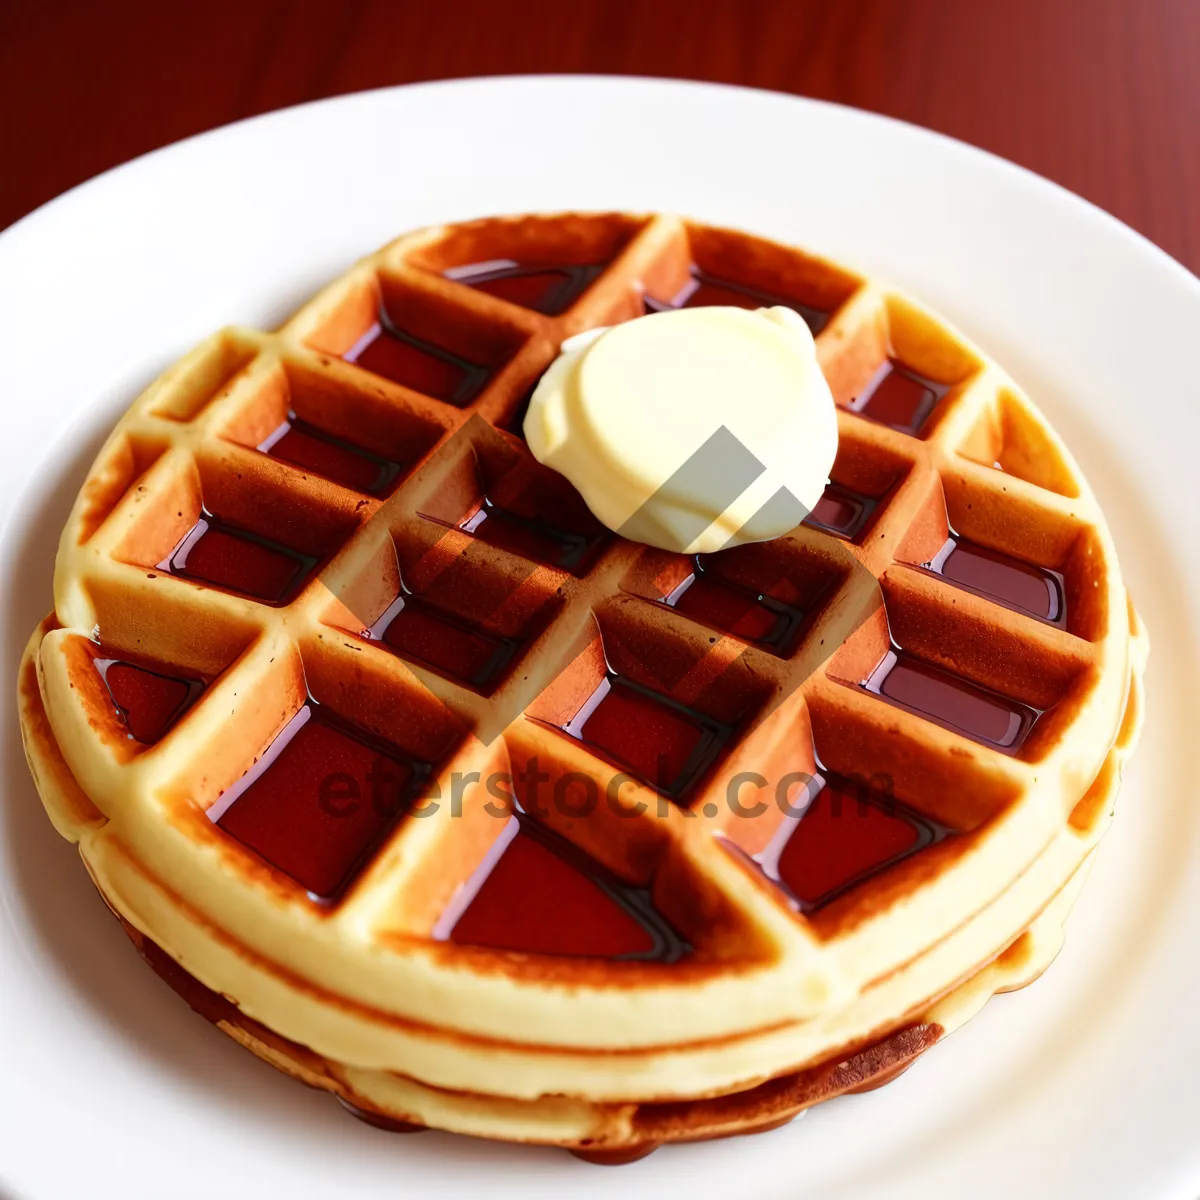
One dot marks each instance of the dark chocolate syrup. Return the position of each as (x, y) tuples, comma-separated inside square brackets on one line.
[(842, 512), (897, 396), (298, 442), (149, 701), (840, 832), (419, 365), (320, 799), (741, 611), (951, 701), (548, 289), (1036, 591), (530, 536), (380, 1120), (533, 513), (614, 1158), (238, 560), (537, 893), (664, 743), (703, 291), (449, 644)]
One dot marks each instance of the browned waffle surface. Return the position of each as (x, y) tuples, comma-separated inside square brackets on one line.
[(357, 711)]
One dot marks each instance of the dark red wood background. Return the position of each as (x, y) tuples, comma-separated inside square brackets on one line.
[(1101, 95)]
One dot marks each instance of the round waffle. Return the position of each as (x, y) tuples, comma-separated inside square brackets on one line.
[(435, 793)]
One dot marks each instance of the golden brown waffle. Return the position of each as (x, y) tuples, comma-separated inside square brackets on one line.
[(525, 619)]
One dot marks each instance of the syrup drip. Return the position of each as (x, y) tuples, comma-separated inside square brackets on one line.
[(703, 291), (1037, 591), (665, 744), (529, 536), (304, 445), (150, 702), (538, 517), (320, 799), (380, 1120), (537, 893), (842, 512), (236, 559), (449, 644), (843, 833), (416, 364), (614, 1158), (550, 290), (898, 397), (753, 616), (952, 702)]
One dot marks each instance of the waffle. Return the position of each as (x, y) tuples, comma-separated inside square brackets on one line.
[(436, 794)]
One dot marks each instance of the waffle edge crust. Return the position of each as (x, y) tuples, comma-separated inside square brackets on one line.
[(368, 454)]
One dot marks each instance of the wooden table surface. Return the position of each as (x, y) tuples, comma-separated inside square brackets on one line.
[(1102, 96)]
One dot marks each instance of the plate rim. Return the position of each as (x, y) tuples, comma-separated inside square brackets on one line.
[(64, 203)]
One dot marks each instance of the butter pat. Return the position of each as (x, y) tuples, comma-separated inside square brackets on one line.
[(690, 430)]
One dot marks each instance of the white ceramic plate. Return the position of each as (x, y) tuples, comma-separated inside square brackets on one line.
[(1082, 1086)]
